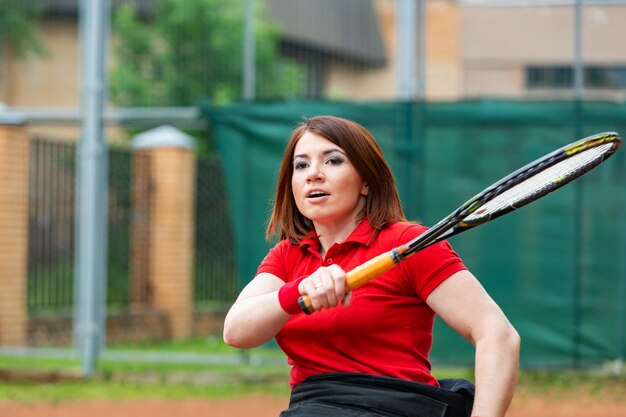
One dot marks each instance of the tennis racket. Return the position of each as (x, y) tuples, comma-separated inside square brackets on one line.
[(527, 184)]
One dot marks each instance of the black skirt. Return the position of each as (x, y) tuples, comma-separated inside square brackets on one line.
[(351, 395)]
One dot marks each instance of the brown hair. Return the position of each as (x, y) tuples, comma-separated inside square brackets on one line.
[(382, 204)]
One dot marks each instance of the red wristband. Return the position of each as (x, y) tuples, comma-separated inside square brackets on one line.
[(288, 296)]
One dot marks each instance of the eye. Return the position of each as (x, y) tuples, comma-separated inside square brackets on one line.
[(299, 165), (334, 160)]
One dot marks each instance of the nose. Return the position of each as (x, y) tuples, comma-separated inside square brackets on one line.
[(315, 172)]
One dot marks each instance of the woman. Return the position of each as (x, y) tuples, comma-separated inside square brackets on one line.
[(363, 352)]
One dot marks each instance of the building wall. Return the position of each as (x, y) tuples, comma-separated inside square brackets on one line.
[(444, 77), (443, 57), (374, 83), (484, 51), (498, 43), (51, 80)]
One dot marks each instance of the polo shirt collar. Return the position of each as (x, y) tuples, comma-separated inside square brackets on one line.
[(362, 234)]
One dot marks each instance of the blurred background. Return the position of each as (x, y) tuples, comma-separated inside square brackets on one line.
[(198, 98)]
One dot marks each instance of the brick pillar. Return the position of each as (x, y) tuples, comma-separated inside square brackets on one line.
[(14, 165), (172, 171)]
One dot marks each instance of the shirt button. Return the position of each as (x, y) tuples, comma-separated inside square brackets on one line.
[(329, 261)]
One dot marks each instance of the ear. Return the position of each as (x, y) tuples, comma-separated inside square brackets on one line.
[(365, 189)]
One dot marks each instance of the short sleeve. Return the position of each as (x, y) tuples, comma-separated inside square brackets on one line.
[(429, 267), (275, 261)]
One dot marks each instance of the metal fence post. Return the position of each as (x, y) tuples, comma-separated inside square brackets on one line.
[(91, 220), (249, 53)]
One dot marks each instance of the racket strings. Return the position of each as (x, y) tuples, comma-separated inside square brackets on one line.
[(541, 183)]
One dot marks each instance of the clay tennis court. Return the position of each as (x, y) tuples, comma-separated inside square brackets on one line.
[(574, 404)]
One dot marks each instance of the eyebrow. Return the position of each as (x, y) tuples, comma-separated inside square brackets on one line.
[(324, 153)]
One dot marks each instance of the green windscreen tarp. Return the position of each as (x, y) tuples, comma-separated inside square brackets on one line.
[(557, 267)]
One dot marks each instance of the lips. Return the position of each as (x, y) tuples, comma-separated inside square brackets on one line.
[(313, 194)]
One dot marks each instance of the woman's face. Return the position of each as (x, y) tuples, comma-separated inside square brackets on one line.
[(325, 185)]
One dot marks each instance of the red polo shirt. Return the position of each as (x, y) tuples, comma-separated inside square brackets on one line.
[(387, 328)]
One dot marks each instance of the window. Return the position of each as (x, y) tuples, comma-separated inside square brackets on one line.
[(549, 77), (602, 77), (562, 77)]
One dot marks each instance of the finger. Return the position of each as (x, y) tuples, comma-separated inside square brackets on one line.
[(325, 287), (339, 281), (310, 287), (313, 283), (316, 302), (326, 293), (333, 279), (347, 299)]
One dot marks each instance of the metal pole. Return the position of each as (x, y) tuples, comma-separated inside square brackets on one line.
[(578, 189), (249, 54), (405, 49), (621, 306), (249, 82), (91, 184), (420, 81), (578, 59)]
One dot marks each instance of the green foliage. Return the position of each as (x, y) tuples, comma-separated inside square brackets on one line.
[(193, 49), (18, 37)]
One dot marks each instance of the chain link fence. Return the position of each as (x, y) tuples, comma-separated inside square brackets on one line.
[(166, 56)]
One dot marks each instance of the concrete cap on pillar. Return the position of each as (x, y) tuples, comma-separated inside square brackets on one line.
[(163, 137), (11, 117)]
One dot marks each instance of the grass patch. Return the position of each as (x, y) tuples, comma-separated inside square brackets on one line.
[(177, 371), (572, 383), (113, 390), (263, 370), (61, 381)]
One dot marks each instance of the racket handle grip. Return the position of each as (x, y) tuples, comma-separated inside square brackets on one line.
[(362, 274)]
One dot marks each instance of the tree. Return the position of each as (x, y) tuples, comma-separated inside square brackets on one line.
[(192, 49), (18, 37)]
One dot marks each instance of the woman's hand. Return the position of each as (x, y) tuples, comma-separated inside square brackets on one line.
[(326, 288)]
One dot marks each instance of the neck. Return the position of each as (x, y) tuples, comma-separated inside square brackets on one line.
[(331, 234)]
